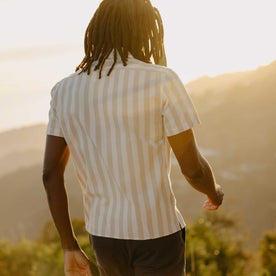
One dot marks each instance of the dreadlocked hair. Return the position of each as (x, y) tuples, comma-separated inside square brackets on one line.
[(123, 26)]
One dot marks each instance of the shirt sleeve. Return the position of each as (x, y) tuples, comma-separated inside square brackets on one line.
[(179, 113), (54, 127)]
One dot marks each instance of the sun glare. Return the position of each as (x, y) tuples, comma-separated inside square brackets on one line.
[(41, 45)]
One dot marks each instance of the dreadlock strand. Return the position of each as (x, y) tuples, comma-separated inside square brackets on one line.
[(99, 64), (123, 26), (105, 55), (115, 60)]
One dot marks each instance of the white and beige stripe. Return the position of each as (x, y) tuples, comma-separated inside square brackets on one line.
[(116, 129)]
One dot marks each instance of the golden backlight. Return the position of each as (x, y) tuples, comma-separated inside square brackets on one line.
[(41, 42)]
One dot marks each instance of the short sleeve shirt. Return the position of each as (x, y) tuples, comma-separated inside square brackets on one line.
[(116, 129), (178, 112)]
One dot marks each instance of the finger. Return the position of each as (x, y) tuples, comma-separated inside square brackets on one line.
[(211, 208), (207, 206), (208, 202), (217, 203)]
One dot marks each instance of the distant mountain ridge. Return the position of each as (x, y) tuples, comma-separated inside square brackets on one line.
[(22, 139), (221, 82), (238, 133), (19, 159)]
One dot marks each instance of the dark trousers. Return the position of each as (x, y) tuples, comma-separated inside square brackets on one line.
[(161, 256)]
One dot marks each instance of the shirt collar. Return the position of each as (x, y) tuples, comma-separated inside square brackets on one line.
[(111, 57)]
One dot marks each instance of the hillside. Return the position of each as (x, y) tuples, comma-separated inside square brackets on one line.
[(237, 135), (22, 139), (23, 203)]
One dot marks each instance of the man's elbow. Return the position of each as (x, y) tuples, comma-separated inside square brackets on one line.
[(193, 173), (49, 177), (46, 177)]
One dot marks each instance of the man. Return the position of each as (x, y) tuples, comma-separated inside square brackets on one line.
[(119, 116)]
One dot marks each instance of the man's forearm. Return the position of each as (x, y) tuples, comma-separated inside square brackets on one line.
[(58, 204), (204, 180)]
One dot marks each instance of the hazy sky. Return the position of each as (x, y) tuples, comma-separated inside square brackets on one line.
[(42, 41)]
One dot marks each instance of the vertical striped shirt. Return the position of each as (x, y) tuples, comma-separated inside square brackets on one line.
[(116, 129)]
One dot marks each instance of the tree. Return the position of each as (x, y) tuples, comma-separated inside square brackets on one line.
[(212, 249), (268, 252), (44, 256), (49, 232), (20, 259)]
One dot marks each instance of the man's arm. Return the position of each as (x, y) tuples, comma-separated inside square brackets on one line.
[(55, 160), (194, 166)]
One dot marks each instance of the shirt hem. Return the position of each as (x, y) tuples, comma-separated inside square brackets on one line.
[(122, 237)]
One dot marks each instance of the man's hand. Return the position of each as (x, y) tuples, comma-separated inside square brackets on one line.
[(76, 263), (214, 202)]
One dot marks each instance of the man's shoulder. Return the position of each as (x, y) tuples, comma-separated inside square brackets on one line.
[(64, 80)]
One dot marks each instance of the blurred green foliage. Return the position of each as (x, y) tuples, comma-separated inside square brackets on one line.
[(44, 256), (212, 248), (268, 253)]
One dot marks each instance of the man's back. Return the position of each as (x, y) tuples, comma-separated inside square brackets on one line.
[(116, 128), (120, 124)]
